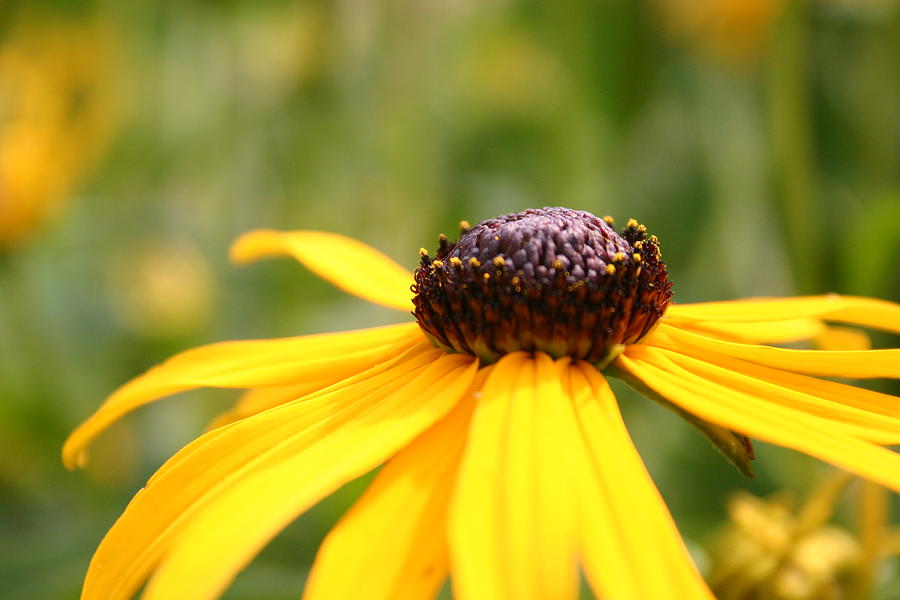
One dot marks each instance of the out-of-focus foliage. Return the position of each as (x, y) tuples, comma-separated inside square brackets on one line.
[(759, 140)]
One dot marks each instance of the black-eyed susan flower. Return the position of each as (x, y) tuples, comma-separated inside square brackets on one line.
[(506, 464)]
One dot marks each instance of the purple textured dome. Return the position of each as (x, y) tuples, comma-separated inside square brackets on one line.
[(555, 280)]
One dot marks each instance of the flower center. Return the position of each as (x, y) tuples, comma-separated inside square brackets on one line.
[(553, 279)]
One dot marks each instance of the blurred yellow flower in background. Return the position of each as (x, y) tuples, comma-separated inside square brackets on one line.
[(503, 468), (772, 549), (57, 112), (775, 549), (729, 30), (162, 288)]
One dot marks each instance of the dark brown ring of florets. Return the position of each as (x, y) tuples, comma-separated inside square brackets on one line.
[(556, 280)]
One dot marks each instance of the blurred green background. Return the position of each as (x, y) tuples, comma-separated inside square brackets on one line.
[(759, 139)]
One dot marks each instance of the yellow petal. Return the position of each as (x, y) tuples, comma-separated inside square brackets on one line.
[(234, 526), (830, 363), (848, 395), (867, 312), (512, 516), (348, 264), (870, 426), (772, 332), (767, 421), (322, 359), (393, 544), (258, 400), (204, 469), (631, 548), (843, 338)]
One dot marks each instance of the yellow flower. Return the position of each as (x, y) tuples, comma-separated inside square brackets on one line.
[(772, 549), (56, 115), (504, 467), (730, 30)]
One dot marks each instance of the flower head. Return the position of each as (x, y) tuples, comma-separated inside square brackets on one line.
[(552, 280), (506, 461)]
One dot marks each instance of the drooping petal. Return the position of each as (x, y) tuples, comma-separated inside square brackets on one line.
[(871, 426), (631, 548), (234, 526), (765, 420), (393, 541), (512, 516), (832, 363), (202, 470), (867, 312), (769, 332), (322, 359), (347, 263)]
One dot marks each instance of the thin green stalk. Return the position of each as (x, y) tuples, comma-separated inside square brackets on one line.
[(790, 109), (729, 443)]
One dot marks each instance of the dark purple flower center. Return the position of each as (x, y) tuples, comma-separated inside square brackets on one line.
[(553, 279)]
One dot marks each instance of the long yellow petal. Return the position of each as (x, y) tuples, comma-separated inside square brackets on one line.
[(347, 263), (393, 543), (258, 400), (856, 397), (831, 363), (322, 359), (767, 421), (769, 332), (867, 312), (512, 516), (871, 426), (233, 527), (202, 470), (631, 548)]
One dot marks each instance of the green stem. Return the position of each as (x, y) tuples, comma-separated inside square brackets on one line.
[(791, 125), (732, 445)]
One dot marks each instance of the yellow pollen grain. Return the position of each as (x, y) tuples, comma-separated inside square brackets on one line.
[(464, 226), (618, 257), (515, 280), (496, 238), (438, 263), (487, 276), (632, 223), (498, 261), (636, 257), (609, 220), (638, 245), (610, 269), (423, 252), (442, 238), (474, 262), (454, 261), (557, 264)]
